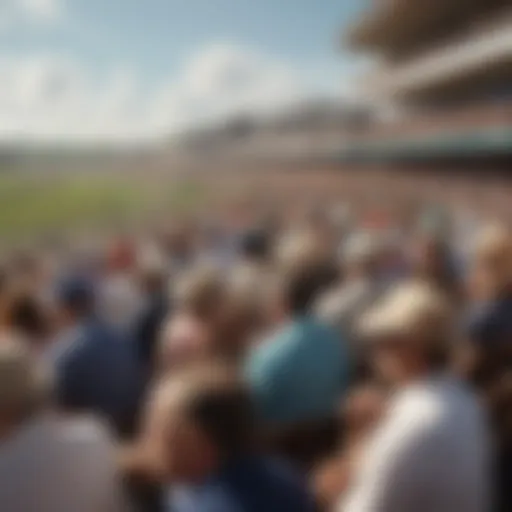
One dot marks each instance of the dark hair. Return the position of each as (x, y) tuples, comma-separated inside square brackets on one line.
[(439, 356), (302, 285), (256, 245), (26, 315), (76, 295), (226, 416)]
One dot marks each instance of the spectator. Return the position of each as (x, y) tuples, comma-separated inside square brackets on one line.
[(361, 413), (26, 316), (48, 464), (432, 262), (489, 331), (192, 331), (96, 368), (255, 247), (179, 244), (149, 322), (300, 371), (342, 306), (431, 449), (203, 437), (119, 298), (244, 318)]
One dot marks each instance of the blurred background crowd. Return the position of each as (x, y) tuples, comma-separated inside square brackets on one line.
[(246, 269), (331, 357)]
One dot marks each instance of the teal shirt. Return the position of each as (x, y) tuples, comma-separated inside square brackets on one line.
[(300, 373)]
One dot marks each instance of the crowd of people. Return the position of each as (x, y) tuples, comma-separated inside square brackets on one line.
[(341, 359)]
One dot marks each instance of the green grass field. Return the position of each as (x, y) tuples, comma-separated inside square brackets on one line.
[(33, 204)]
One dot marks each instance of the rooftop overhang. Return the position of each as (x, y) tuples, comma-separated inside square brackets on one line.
[(481, 55), (394, 23)]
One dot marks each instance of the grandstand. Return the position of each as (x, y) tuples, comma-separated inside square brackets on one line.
[(445, 72)]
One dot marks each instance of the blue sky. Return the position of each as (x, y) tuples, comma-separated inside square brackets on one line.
[(134, 68)]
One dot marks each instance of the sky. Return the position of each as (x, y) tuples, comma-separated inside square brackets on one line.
[(88, 70)]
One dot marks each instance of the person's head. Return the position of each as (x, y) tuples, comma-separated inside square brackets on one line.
[(153, 272), (74, 300), (197, 420), (121, 256), (297, 287), (491, 269), (245, 311), (202, 293), (304, 269), (255, 246), (26, 315), (409, 333), (430, 258), (179, 239), (360, 255), (24, 384)]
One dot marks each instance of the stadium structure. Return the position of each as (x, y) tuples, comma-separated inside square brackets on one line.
[(444, 77)]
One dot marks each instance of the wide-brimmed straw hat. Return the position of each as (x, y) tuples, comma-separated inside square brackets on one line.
[(414, 310)]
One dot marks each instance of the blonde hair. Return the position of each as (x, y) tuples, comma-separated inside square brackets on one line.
[(201, 291)]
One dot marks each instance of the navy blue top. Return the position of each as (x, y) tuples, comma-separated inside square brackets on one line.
[(97, 371), (490, 323), (249, 485)]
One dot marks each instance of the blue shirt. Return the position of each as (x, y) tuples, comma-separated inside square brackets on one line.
[(300, 373), (247, 485), (96, 371)]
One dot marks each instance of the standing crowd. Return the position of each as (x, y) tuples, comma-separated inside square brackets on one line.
[(335, 360)]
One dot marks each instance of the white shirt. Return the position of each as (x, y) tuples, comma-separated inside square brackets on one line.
[(53, 465), (429, 455), (120, 301), (342, 307)]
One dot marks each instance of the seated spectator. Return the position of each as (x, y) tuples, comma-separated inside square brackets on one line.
[(202, 435), (48, 464), (299, 373), (95, 366), (431, 450)]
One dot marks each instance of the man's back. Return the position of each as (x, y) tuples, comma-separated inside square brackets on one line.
[(430, 454), (54, 466), (300, 373), (97, 371)]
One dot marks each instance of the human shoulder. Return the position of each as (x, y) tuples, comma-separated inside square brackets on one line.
[(412, 419), (86, 431)]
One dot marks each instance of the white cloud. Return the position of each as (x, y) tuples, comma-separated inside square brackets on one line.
[(14, 12), (48, 10), (52, 98)]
